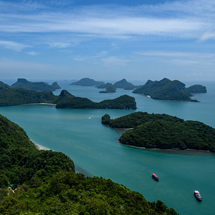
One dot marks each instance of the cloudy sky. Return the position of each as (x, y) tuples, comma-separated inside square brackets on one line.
[(115, 39)]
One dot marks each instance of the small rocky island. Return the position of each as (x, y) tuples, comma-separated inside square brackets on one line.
[(87, 82), (162, 131), (124, 84), (36, 86), (109, 88), (169, 90)]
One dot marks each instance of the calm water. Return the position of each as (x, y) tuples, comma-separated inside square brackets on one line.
[(94, 147)]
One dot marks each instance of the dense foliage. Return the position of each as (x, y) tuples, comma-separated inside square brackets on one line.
[(163, 131), (165, 90), (66, 100), (197, 88), (70, 193), (36, 86), (124, 84), (87, 82), (21, 162)]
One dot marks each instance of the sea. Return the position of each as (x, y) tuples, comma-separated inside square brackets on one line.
[(95, 149)]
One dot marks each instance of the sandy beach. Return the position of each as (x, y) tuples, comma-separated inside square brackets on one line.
[(40, 147)]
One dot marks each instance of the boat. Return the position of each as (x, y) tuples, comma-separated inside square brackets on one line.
[(197, 195), (155, 177)]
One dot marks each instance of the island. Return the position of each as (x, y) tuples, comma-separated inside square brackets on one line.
[(162, 131), (169, 90), (109, 88), (45, 182), (67, 100), (10, 96), (87, 82), (36, 86), (124, 85)]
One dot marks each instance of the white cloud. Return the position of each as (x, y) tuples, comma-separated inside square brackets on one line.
[(114, 61), (33, 53), (207, 35), (60, 45), (13, 45)]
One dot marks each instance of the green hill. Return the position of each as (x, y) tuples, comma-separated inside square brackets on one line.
[(36, 86), (197, 88), (17, 96), (166, 90), (163, 131), (67, 100), (124, 84)]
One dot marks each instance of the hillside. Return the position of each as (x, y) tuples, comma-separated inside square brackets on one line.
[(109, 88), (16, 96), (36, 86), (163, 131), (67, 100), (87, 82), (197, 88), (166, 90), (124, 84), (47, 183)]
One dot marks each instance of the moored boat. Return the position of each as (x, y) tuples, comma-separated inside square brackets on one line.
[(197, 195), (155, 177)]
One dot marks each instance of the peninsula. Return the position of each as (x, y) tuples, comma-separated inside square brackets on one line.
[(45, 182), (169, 90), (36, 86), (163, 131)]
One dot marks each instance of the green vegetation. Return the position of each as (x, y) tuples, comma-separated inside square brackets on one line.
[(36, 86), (18, 96), (66, 100), (167, 90), (163, 131), (109, 88), (124, 84), (21, 162), (87, 82), (44, 182)]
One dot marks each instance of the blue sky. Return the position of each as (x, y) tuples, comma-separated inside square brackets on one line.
[(136, 40)]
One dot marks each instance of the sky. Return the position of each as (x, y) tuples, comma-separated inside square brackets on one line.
[(107, 40)]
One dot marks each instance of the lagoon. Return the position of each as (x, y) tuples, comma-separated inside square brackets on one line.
[(94, 147)]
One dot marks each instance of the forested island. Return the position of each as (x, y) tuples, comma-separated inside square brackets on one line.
[(87, 82), (16, 96), (45, 182), (163, 131), (169, 90), (124, 84), (67, 100), (36, 86), (109, 88)]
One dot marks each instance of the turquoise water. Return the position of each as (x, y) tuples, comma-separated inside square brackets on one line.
[(94, 147)]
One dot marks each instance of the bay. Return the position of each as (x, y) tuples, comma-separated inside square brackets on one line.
[(94, 147)]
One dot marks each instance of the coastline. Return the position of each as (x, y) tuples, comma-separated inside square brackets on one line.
[(47, 104), (40, 147)]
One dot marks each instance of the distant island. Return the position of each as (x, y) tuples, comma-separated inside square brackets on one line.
[(87, 82), (124, 85), (45, 182), (36, 86), (67, 100), (169, 90), (162, 131), (16, 96), (109, 88)]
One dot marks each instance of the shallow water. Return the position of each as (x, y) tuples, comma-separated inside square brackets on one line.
[(95, 149)]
